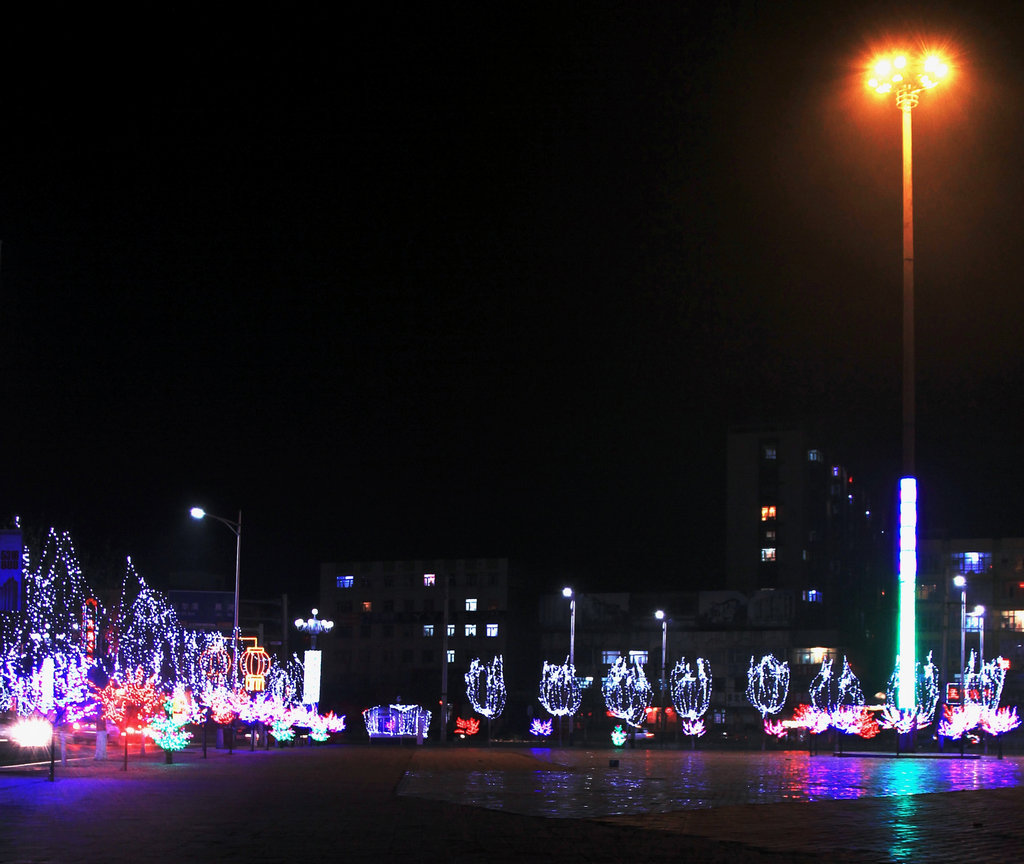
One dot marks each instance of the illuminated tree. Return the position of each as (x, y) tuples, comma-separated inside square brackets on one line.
[(627, 692), (768, 684), (485, 687), (560, 692), (691, 688), (829, 694), (131, 701), (151, 636), (926, 696)]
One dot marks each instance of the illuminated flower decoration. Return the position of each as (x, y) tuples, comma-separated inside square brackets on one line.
[(132, 701), (465, 728), (901, 721), (485, 687), (999, 721), (691, 688), (694, 728), (855, 720), (926, 693), (541, 728), (224, 704), (958, 720), (168, 730), (775, 727), (627, 692), (560, 692), (814, 720), (768, 684), (619, 736)]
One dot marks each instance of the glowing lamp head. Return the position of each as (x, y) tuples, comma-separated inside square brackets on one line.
[(902, 73), (960, 581), (978, 611), (660, 614), (197, 513), (567, 592)]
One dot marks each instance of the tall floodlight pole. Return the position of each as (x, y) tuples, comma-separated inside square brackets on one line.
[(663, 618), (236, 529), (907, 77)]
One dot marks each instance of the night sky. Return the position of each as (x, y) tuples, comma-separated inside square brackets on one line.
[(471, 282)]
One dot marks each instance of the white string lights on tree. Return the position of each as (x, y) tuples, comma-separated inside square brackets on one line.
[(627, 692), (560, 692), (485, 687), (829, 694), (768, 684), (691, 694), (926, 696)]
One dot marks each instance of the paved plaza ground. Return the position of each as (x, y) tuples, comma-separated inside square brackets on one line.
[(389, 801)]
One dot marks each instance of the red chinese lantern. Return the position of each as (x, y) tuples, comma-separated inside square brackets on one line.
[(256, 664)]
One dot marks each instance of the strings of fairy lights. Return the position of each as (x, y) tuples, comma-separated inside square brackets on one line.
[(65, 658)]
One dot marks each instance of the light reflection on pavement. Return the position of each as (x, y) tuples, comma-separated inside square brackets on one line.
[(582, 784)]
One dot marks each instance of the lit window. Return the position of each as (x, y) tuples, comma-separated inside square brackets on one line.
[(428, 629), (367, 606), (471, 629), (471, 604), (812, 596), (492, 629), (429, 579), (768, 513), (451, 655), (768, 451), (638, 657), (609, 657), (346, 581), (813, 455), (769, 535), (1012, 619), (768, 553), (451, 629)]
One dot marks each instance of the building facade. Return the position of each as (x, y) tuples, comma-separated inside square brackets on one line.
[(405, 630)]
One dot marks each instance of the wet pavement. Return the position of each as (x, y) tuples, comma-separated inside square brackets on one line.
[(460, 803), (600, 783)]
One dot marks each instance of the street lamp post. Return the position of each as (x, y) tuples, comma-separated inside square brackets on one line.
[(979, 616), (571, 595), (961, 583), (236, 529), (907, 78), (663, 618), (568, 592)]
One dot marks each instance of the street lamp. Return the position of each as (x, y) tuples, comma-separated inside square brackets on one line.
[(314, 626), (663, 618), (236, 529), (979, 621), (907, 77), (961, 583), (568, 592)]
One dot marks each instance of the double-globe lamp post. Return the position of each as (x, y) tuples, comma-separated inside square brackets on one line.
[(907, 77), (236, 529)]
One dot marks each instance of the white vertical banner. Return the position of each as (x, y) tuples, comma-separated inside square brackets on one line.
[(311, 678)]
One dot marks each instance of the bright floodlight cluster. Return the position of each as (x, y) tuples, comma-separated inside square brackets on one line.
[(899, 72)]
